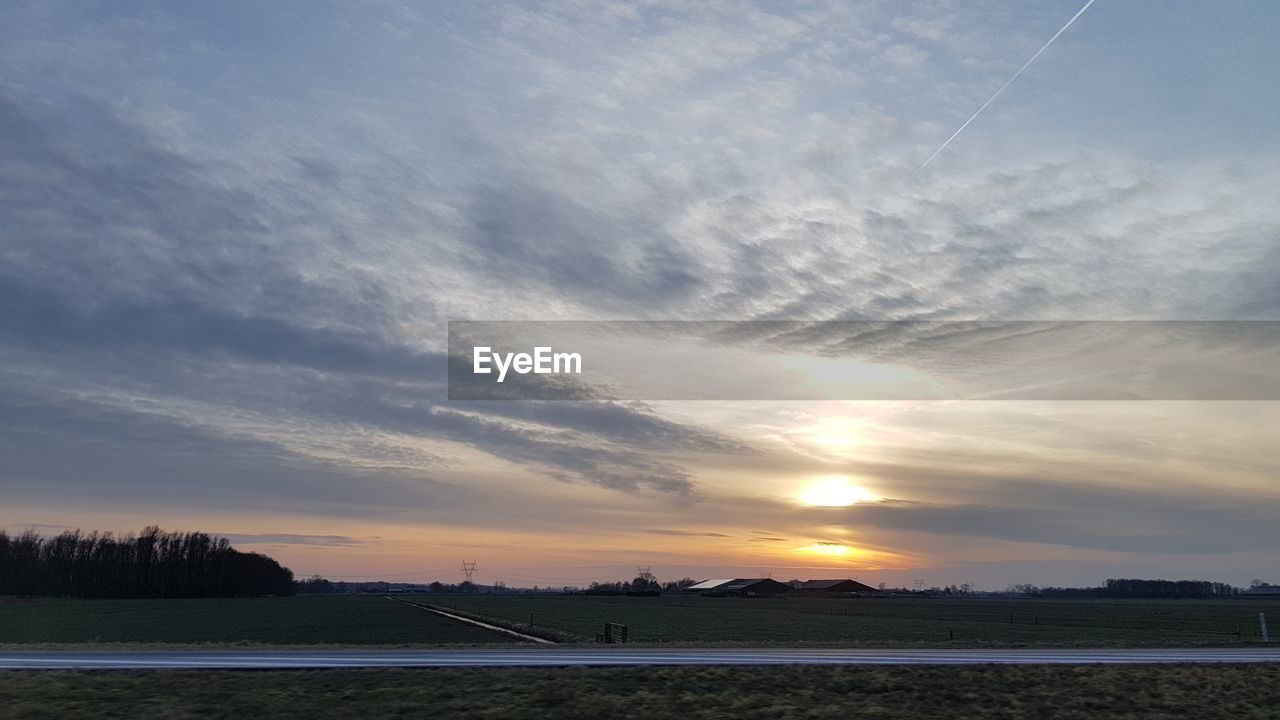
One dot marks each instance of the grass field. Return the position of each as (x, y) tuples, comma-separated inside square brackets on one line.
[(861, 622), (1095, 693), (338, 620), (888, 621)]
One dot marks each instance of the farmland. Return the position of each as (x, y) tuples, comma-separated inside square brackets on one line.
[(339, 620), (854, 622), (816, 693), (884, 622)]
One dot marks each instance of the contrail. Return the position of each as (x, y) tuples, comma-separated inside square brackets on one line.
[(1006, 84)]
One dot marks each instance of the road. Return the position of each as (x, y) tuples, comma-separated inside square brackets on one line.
[(560, 657)]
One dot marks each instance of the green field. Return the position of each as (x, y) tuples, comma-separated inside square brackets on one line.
[(887, 621), (860, 622), (1239, 692), (336, 620)]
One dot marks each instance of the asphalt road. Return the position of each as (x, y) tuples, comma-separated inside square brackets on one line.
[(560, 657)]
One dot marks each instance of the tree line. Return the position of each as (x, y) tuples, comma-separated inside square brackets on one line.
[(1121, 588), (152, 564), (1129, 588), (644, 584)]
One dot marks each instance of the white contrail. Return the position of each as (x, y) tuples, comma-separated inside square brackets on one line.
[(1006, 84)]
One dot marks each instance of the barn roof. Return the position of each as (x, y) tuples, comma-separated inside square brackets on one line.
[(710, 584), (743, 583), (727, 584), (829, 584)]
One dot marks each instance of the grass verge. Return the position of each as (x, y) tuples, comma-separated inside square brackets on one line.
[(1240, 692)]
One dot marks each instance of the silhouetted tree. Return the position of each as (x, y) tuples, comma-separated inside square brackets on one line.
[(152, 564), (1129, 588), (315, 585)]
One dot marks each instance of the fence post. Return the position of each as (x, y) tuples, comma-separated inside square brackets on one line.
[(1262, 621)]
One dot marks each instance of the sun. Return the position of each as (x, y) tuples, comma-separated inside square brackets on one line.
[(829, 549), (835, 492)]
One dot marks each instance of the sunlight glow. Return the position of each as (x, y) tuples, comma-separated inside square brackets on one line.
[(828, 549), (835, 492)]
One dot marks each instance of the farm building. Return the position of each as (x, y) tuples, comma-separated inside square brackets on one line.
[(707, 585), (844, 585), (1267, 590), (740, 586)]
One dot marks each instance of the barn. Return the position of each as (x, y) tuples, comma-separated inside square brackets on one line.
[(749, 587), (834, 587)]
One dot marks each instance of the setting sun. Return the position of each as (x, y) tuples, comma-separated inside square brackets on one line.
[(835, 492), (828, 548)]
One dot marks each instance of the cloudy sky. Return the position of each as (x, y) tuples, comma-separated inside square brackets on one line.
[(232, 236)]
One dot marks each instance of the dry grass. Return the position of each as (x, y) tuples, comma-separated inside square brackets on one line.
[(1239, 692)]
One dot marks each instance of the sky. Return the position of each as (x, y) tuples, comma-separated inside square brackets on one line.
[(233, 236)]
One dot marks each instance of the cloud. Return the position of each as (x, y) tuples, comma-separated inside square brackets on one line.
[(69, 453), (185, 322), (292, 539), (524, 234), (682, 533), (1079, 515)]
